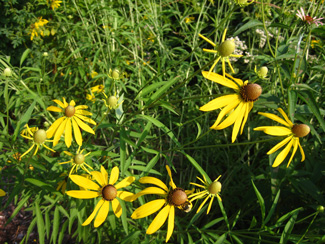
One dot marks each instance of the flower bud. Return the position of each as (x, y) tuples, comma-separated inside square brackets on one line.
[(45, 54), (7, 72), (262, 72), (116, 74), (112, 101)]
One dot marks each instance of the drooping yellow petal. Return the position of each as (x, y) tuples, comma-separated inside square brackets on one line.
[(274, 130), (114, 175), (202, 204), (159, 220), (171, 223), (82, 112), (84, 182), (104, 174), (125, 182), (214, 64), (58, 102), (91, 217), (28, 150), (231, 118), (86, 119), (199, 195), (154, 181), (224, 35), (117, 209), (81, 107), (68, 153), (83, 194), (230, 66), (295, 141), (225, 111), (68, 133), (171, 183), (150, 190), (279, 145), (98, 177), (76, 132), (54, 109), (210, 204), (53, 128), (238, 81), (285, 117), (65, 103), (148, 209), (223, 67), (282, 155), (48, 148), (102, 214), (249, 106), (238, 122), (275, 118), (220, 79), (207, 40), (59, 132), (72, 103), (126, 196), (2, 193), (219, 102), (83, 125), (195, 184), (302, 152)]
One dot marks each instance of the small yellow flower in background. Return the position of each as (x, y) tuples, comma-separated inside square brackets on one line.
[(93, 74), (261, 72), (55, 4), (38, 136), (16, 156), (111, 102), (314, 42), (93, 90), (2, 193), (107, 190), (175, 197), (91, 97), (62, 185), (37, 28), (210, 191), (223, 52), (73, 117), (78, 161), (189, 19), (292, 132), (237, 105)]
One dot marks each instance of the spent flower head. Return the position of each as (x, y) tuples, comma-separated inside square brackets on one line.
[(308, 19), (291, 131)]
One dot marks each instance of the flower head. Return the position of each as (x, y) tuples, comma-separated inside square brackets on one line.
[(112, 101), (308, 19), (237, 105), (73, 116), (107, 191), (210, 191), (93, 91), (292, 132), (7, 72), (174, 197), (77, 160), (2, 193), (243, 3), (38, 28), (261, 72), (55, 4), (223, 52), (38, 136)]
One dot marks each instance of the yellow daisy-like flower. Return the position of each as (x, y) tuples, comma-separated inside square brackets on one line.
[(73, 117), (38, 136), (175, 197), (112, 101), (97, 89), (2, 193), (210, 191), (93, 74), (237, 105), (107, 190), (292, 133), (37, 28), (55, 4), (77, 161), (223, 52)]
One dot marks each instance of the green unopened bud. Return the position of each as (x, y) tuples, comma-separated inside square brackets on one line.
[(226, 48), (7, 72), (116, 74), (320, 209), (45, 54), (112, 101), (262, 72)]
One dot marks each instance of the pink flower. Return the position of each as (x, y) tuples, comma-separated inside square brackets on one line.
[(308, 19)]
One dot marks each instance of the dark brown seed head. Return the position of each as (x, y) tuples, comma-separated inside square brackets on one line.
[(40, 136), (177, 197), (109, 192), (300, 130), (69, 111), (251, 92), (215, 187)]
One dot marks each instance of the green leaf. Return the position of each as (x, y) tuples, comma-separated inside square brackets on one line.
[(30, 228), (47, 224), (224, 214), (150, 165), (24, 119), (122, 151), (151, 88), (131, 237), (198, 167), (124, 216), (288, 228), (19, 206), (40, 224), (221, 239), (24, 56), (62, 232), (284, 217), (250, 24), (56, 224), (260, 201), (292, 100), (275, 202), (36, 182)]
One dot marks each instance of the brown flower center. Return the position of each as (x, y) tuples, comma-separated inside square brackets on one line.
[(69, 111), (215, 187), (309, 19), (177, 197), (109, 192), (300, 130), (40, 136), (79, 158), (251, 92)]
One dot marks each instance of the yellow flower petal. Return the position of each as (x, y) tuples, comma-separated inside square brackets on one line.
[(282, 155), (207, 40), (81, 107), (124, 183), (279, 145), (59, 132), (84, 118), (54, 109), (2, 193), (91, 217), (238, 81), (68, 133), (65, 103), (238, 122), (83, 194), (224, 35), (82, 112), (210, 204), (220, 80), (98, 177), (117, 209), (72, 103), (102, 214), (83, 125), (148, 209), (154, 181), (53, 128), (295, 141), (301, 151), (202, 204), (159, 220), (150, 190), (76, 132), (84, 182), (28, 150), (58, 102), (171, 183), (274, 130), (285, 117), (275, 118), (219, 102), (249, 106), (225, 111), (126, 196), (114, 175), (68, 153), (171, 222), (104, 174), (231, 118)]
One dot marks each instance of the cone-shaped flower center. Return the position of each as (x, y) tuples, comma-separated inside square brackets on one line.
[(116, 74), (109, 192), (79, 158), (215, 187), (40, 136), (69, 111), (251, 92), (112, 101), (226, 48), (300, 130), (262, 72), (177, 197), (309, 19)]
